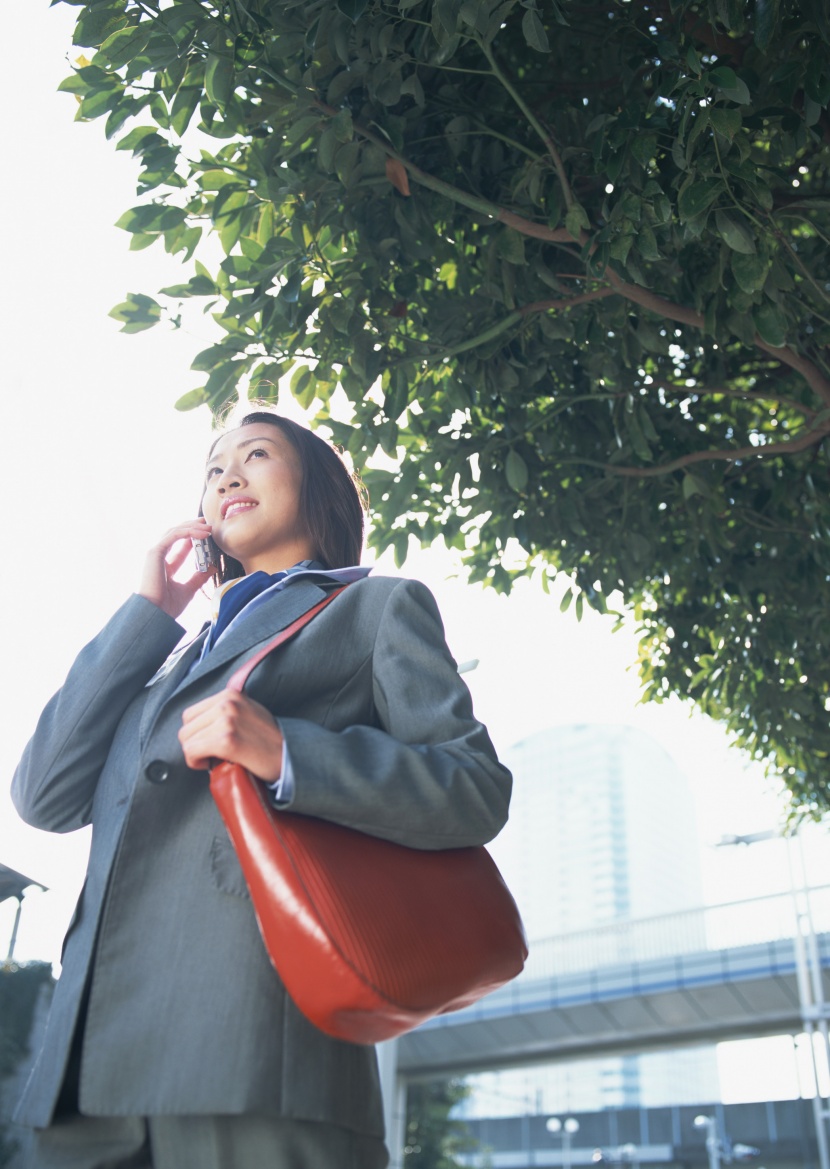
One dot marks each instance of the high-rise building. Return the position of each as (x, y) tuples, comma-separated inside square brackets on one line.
[(601, 829)]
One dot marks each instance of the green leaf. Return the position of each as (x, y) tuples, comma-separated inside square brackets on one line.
[(692, 485), (750, 271), (137, 312), (247, 49), (184, 106), (735, 233), (346, 160), (140, 138), (817, 80), (695, 198), (342, 126), (727, 122), (647, 243), (95, 25), (327, 148), (577, 221), (215, 180), (219, 79), (730, 84), (126, 43), (636, 436), (534, 31), (770, 323), (565, 603), (511, 246), (354, 9), (515, 471), (191, 400), (766, 20), (302, 385), (400, 547), (643, 147)]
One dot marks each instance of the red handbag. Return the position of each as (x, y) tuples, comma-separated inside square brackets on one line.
[(370, 938)]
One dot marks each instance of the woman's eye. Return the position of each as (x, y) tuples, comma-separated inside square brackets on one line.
[(257, 451), (213, 471)]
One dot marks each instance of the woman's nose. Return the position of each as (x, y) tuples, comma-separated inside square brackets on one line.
[(229, 480)]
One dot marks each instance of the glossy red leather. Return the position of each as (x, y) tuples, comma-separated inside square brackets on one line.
[(370, 938)]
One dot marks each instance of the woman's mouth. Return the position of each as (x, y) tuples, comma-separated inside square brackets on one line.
[(236, 505)]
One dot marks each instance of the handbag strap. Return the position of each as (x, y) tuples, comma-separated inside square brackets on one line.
[(240, 677)]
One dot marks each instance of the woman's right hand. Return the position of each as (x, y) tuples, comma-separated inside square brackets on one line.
[(163, 562)]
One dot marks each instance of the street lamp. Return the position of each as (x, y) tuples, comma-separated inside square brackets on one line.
[(566, 1129), (627, 1154), (713, 1145), (814, 1009)]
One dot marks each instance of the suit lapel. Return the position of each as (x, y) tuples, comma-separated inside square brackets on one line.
[(164, 681), (265, 622)]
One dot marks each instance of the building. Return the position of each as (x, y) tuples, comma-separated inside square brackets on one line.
[(602, 829)]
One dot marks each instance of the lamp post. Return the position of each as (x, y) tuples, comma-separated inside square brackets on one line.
[(627, 1154), (813, 1008), (14, 884), (713, 1146), (566, 1129)]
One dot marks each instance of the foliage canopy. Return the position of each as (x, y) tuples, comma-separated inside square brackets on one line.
[(566, 260), (433, 1137)]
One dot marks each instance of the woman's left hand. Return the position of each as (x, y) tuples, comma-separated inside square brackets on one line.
[(232, 727)]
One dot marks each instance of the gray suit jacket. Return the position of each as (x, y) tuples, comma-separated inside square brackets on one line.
[(185, 1012)]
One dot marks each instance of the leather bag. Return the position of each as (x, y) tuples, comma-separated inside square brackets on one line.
[(370, 938)]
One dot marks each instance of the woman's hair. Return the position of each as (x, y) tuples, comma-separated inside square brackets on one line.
[(332, 499)]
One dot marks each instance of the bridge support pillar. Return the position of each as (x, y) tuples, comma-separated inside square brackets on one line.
[(393, 1087)]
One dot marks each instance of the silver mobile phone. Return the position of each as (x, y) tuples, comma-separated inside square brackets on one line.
[(205, 553)]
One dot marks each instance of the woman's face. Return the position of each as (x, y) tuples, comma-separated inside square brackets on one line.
[(252, 499)]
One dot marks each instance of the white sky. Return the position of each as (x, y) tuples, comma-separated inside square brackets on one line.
[(97, 464)]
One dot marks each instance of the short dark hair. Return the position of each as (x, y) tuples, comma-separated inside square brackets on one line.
[(332, 498)]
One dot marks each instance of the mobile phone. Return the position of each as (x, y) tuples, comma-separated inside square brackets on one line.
[(205, 553)]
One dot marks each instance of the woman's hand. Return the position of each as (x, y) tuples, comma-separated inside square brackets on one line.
[(163, 562), (232, 727)]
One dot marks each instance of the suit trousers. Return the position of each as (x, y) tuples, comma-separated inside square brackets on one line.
[(247, 1141), (74, 1141)]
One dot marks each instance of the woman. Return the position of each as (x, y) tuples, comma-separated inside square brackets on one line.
[(171, 1042)]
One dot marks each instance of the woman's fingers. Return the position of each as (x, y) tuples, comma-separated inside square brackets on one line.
[(176, 556), (165, 559), (233, 727)]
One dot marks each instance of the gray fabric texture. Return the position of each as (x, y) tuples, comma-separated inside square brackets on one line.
[(203, 1142), (186, 1014)]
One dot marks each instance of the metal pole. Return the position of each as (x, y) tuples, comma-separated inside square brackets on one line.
[(806, 1004), (712, 1141), (13, 940), (816, 978)]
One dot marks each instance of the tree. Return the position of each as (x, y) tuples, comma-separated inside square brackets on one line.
[(568, 263), (432, 1136)]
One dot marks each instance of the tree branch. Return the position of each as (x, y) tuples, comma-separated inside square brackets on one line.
[(698, 391), (805, 440), (633, 292), (474, 202), (550, 145), (566, 302), (689, 316)]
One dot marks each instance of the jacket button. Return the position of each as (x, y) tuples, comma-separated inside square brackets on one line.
[(158, 771)]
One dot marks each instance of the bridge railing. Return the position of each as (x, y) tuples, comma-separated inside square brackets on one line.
[(771, 918)]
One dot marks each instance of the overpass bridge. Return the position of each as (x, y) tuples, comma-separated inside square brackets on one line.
[(743, 969)]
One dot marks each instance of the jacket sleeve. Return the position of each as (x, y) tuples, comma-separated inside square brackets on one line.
[(427, 776), (55, 781)]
